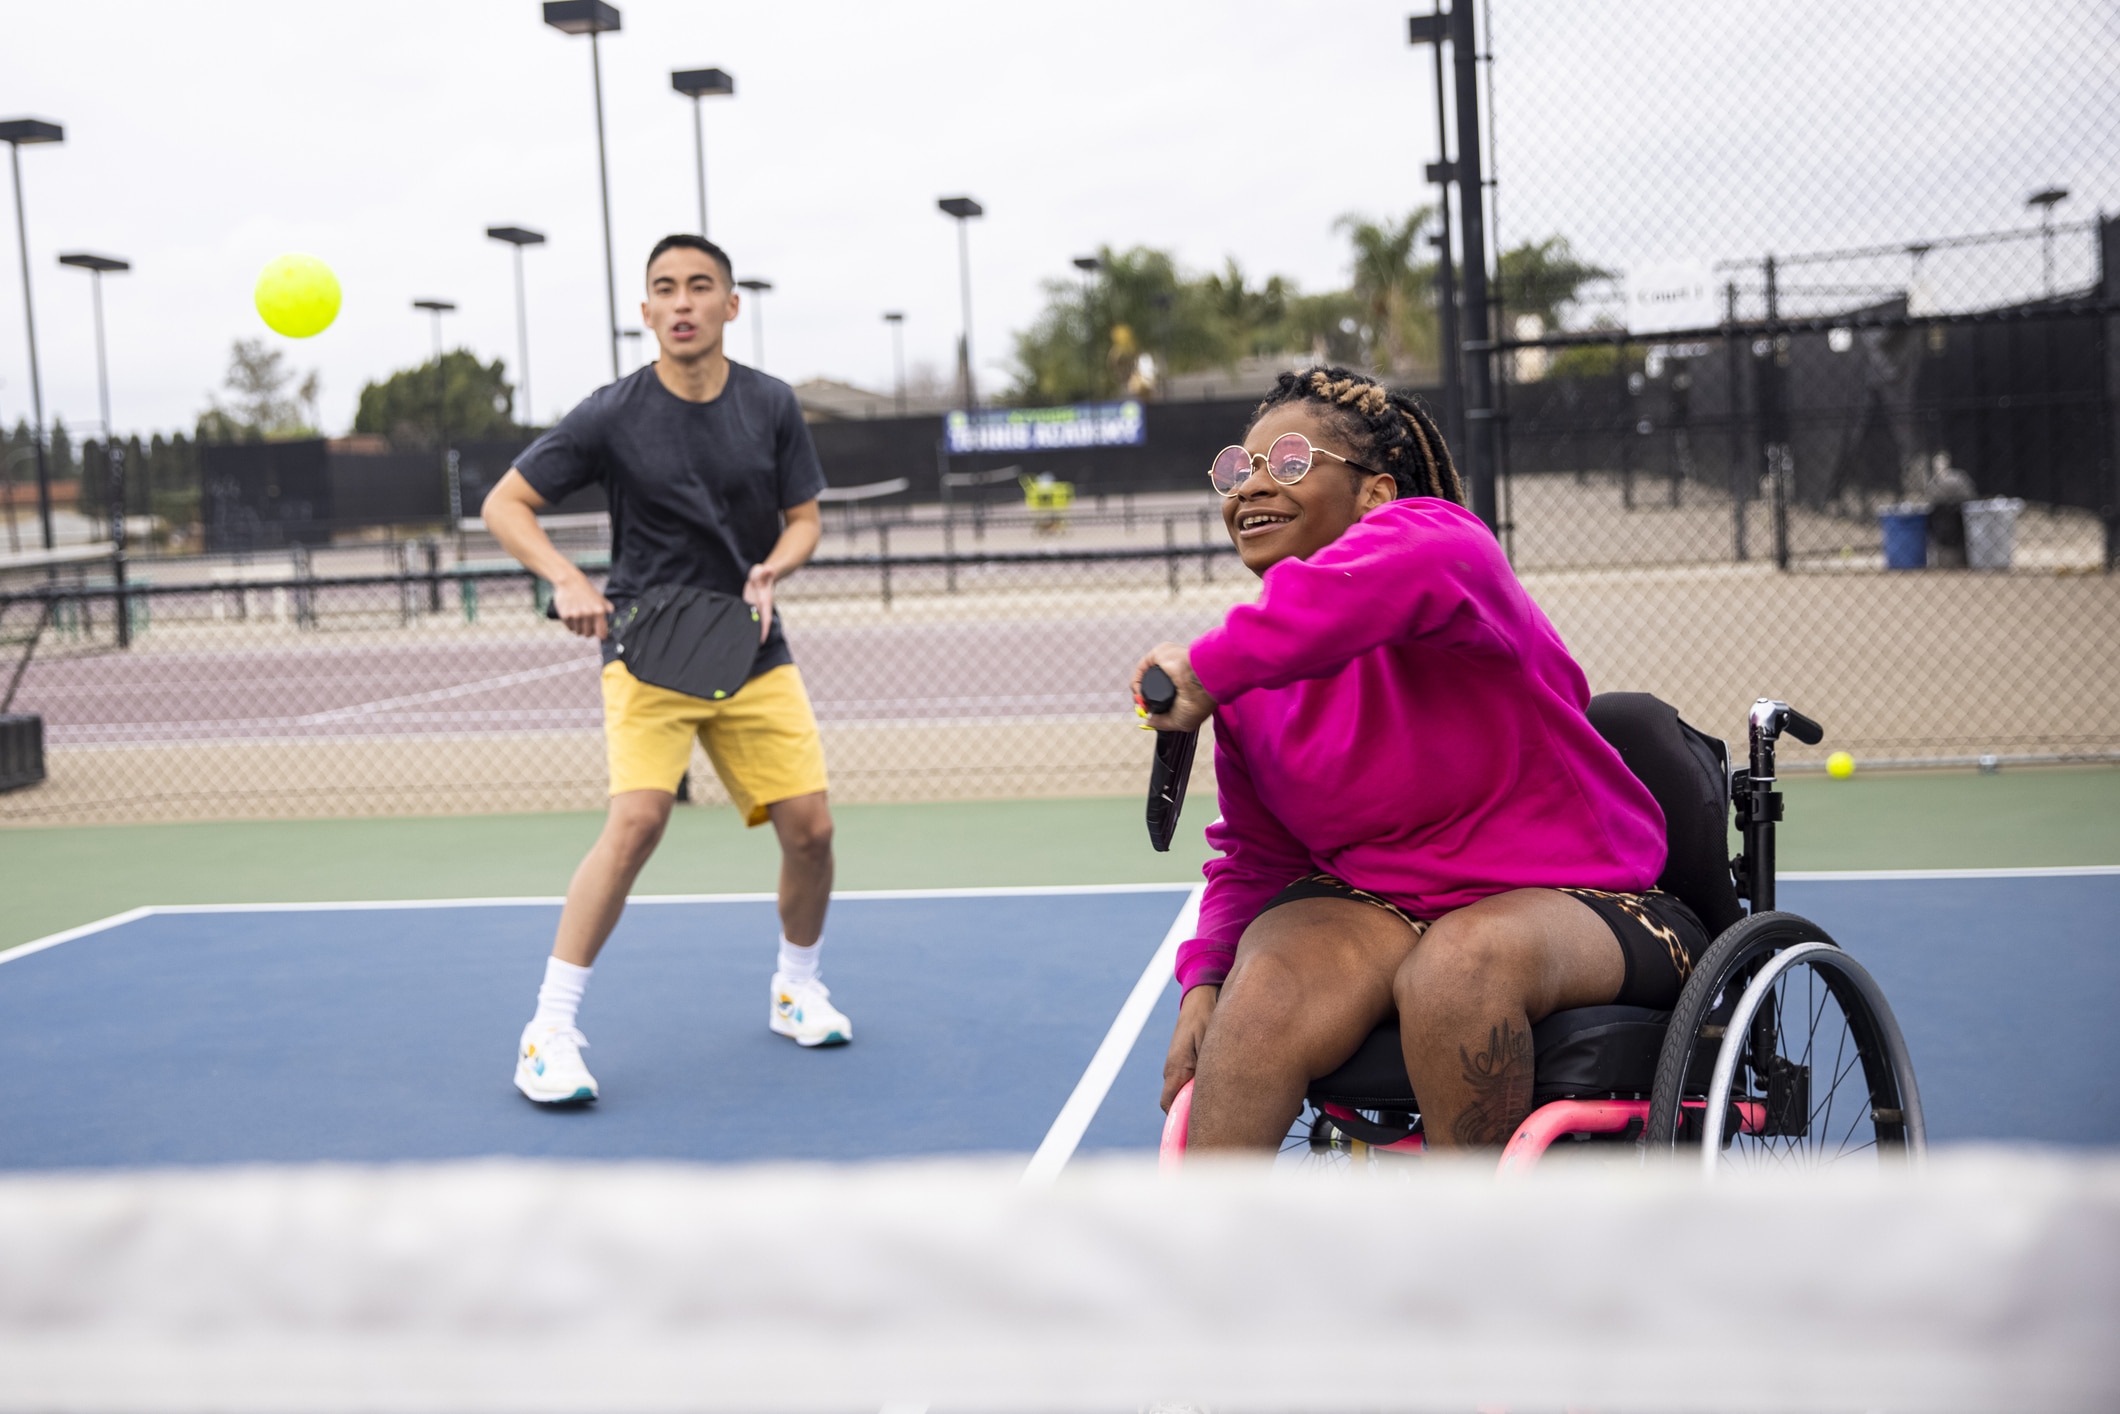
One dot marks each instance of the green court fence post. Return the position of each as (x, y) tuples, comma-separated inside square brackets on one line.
[(883, 560), (1734, 360), (114, 458)]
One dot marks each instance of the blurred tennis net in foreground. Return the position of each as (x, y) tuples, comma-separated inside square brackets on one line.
[(1989, 1281)]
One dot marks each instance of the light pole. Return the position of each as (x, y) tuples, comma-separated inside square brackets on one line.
[(96, 265), (963, 209), (518, 237), (438, 308), (1089, 265), (594, 17), (696, 84), (896, 319), (2046, 201), (18, 133), (760, 288)]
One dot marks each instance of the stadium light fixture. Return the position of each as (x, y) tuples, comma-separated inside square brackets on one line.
[(696, 84), (2046, 200), (896, 319), (593, 17), (963, 209), (19, 133), (518, 237), (761, 288)]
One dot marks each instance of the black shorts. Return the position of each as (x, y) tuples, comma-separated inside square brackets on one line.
[(1658, 936)]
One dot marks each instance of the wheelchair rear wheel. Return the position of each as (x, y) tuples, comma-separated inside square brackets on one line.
[(1347, 1140), (1782, 1053)]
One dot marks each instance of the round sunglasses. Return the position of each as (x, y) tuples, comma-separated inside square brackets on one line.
[(1287, 461)]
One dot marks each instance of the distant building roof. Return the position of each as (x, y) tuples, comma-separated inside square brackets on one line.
[(828, 400)]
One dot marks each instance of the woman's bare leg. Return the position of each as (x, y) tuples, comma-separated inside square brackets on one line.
[(1468, 993), (1311, 979)]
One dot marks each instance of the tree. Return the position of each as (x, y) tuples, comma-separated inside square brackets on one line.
[(1141, 318), (476, 400), (1394, 292), (1544, 278), (268, 400), (1089, 340)]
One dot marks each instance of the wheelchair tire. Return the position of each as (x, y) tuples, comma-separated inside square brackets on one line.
[(1814, 1056), (1720, 975)]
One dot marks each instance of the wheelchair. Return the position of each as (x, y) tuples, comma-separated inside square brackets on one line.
[(1781, 1051)]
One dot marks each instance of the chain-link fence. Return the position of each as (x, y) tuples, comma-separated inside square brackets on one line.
[(1808, 345), (1773, 282), (945, 662)]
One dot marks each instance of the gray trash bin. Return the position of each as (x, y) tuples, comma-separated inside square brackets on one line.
[(1991, 532)]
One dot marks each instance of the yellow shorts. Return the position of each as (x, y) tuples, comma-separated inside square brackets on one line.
[(763, 741)]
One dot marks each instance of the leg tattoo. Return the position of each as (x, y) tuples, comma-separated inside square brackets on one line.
[(1500, 1080)]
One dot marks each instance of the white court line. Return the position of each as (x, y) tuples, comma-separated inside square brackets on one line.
[(443, 694), (134, 915), (2058, 871), (116, 920), (1081, 1107)]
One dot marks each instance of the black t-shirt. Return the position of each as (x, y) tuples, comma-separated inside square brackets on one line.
[(696, 489)]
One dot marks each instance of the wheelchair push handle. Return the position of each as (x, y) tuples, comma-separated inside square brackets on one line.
[(1803, 728)]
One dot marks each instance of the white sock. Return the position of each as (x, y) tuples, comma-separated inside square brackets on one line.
[(561, 996), (800, 964)]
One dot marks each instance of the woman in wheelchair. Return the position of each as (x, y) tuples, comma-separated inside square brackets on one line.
[(1416, 814)]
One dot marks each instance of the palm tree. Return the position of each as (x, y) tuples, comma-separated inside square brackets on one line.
[(1394, 289)]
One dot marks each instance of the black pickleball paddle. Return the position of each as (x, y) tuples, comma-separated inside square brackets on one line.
[(1172, 768), (695, 641)]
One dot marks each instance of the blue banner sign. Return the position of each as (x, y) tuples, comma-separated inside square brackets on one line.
[(1058, 429)]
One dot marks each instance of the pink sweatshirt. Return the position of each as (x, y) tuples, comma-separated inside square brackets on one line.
[(1395, 711)]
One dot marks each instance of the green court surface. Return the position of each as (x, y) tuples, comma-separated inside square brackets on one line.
[(58, 878)]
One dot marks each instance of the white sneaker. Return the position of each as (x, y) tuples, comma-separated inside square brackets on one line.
[(804, 1011), (548, 1065)]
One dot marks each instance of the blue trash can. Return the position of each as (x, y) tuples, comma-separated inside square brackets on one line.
[(1906, 536)]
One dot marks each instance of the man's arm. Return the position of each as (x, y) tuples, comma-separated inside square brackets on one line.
[(798, 541), (510, 513)]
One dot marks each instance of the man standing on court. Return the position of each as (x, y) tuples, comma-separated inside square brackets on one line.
[(713, 485)]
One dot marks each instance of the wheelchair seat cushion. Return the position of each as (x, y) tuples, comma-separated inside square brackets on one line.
[(1688, 773), (1585, 1051)]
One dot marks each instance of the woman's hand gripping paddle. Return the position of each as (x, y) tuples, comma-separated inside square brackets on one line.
[(1167, 778)]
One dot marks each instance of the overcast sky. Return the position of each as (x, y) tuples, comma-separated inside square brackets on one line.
[(385, 136)]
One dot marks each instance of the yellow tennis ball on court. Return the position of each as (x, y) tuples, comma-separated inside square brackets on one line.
[(1840, 765), (298, 296)]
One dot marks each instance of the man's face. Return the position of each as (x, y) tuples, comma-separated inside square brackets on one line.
[(689, 300)]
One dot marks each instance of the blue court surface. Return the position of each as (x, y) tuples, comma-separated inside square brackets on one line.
[(374, 1033)]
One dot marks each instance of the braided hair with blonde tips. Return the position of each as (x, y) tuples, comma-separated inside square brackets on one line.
[(1395, 433)]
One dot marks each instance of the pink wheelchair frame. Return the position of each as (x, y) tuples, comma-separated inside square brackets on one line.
[(1545, 1125)]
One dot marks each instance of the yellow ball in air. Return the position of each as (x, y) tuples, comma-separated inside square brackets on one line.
[(297, 295), (1840, 765)]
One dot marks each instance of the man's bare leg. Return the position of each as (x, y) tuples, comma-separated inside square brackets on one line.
[(597, 896), (804, 825), (1469, 992)]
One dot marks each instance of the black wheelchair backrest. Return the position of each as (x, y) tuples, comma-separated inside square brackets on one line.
[(1689, 774)]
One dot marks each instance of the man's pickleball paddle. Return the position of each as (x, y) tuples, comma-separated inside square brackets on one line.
[(695, 641), (1167, 778)]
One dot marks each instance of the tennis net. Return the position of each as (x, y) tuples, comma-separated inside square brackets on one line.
[(1988, 1281)]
